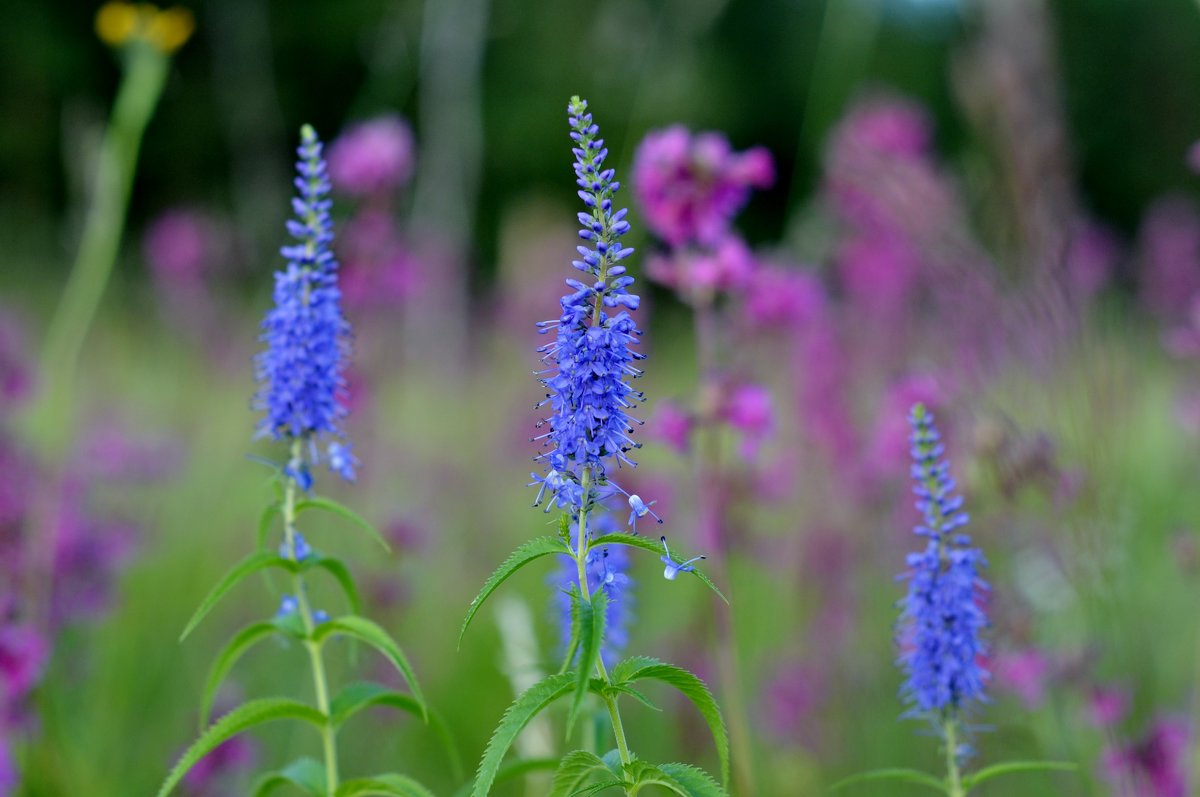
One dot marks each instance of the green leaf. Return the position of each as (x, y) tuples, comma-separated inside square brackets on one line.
[(344, 512), (599, 787), (694, 781), (229, 655), (530, 703), (244, 717), (574, 771), (526, 553), (390, 785), (636, 695), (893, 773), (641, 668), (251, 564), (341, 573), (515, 769), (591, 636), (654, 546), (367, 631), (265, 521), (995, 770), (353, 698), (303, 773)]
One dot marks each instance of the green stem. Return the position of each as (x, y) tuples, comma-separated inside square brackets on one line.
[(145, 74), (953, 777), (581, 552), (320, 682)]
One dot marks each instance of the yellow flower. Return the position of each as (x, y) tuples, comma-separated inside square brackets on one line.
[(118, 23)]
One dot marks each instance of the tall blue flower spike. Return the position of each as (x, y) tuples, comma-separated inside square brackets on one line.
[(674, 568), (301, 385), (590, 362), (942, 620)]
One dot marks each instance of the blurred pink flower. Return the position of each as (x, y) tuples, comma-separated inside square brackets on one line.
[(748, 409), (793, 695), (671, 424), (23, 656), (378, 269), (177, 246), (777, 297), (375, 156), (1091, 260), (700, 274), (16, 368), (89, 553), (690, 186), (1107, 706), (213, 775), (884, 125), (1168, 254), (1154, 766), (1024, 673), (889, 447), (10, 778)]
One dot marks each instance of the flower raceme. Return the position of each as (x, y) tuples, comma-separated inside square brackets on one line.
[(942, 619), (590, 361), (300, 374)]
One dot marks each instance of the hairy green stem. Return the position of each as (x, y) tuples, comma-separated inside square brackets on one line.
[(581, 552), (320, 682), (953, 777)]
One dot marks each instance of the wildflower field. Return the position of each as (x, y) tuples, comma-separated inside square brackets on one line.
[(722, 398)]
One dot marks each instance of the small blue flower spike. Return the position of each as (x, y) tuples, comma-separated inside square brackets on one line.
[(674, 568), (640, 508), (320, 616)]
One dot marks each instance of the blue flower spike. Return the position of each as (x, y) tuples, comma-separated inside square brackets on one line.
[(674, 568)]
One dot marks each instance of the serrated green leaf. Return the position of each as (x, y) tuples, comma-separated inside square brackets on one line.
[(591, 636), (528, 705), (345, 513), (526, 553), (893, 773), (244, 717), (374, 635), (251, 564), (654, 546), (599, 787), (229, 655), (515, 769), (305, 774), (336, 568), (694, 781), (265, 520), (353, 698), (636, 695), (995, 770), (576, 628), (641, 668), (389, 785), (574, 771)]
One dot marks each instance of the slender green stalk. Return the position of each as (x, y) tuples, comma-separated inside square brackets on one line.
[(138, 95), (953, 777), (581, 552), (52, 417), (320, 683)]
